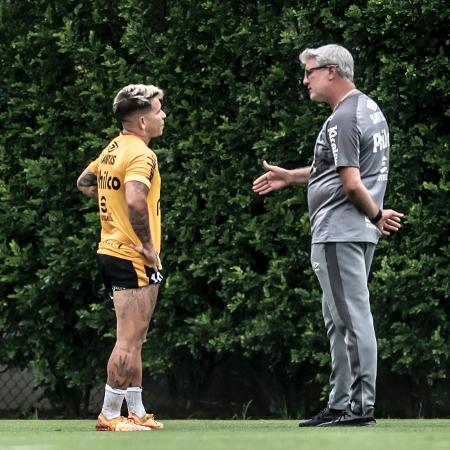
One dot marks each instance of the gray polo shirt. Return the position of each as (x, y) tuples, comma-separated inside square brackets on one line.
[(355, 135)]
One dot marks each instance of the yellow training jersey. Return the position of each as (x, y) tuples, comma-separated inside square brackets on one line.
[(126, 158)]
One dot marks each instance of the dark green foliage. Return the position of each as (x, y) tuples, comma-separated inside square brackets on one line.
[(240, 305)]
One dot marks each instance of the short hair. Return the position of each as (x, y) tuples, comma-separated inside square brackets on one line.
[(331, 54), (133, 98)]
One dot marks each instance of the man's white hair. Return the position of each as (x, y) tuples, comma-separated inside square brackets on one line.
[(331, 54), (134, 97)]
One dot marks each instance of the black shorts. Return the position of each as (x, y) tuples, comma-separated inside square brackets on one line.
[(120, 274)]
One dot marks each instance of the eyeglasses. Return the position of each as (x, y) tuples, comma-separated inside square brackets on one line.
[(308, 72)]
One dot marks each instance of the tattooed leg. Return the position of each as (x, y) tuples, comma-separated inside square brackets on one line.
[(134, 309)]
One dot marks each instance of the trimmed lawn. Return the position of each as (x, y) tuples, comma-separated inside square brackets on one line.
[(227, 435)]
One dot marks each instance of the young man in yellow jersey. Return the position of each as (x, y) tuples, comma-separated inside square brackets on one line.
[(125, 179)]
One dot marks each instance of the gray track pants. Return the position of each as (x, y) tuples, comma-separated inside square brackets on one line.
[(342, 269)]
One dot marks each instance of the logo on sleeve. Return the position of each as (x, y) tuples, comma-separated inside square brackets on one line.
[(151, 162)]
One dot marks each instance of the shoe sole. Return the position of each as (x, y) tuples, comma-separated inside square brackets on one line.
[(365, 424), (312, 425), (102, 428)]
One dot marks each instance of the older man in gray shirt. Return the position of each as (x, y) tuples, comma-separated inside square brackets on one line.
[(346, 186)]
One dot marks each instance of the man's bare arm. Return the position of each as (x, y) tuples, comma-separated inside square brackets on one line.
[(136, 198), (87, 183), (277, 178)]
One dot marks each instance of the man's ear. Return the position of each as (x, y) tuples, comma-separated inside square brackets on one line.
[(332, 72), (142, 123)]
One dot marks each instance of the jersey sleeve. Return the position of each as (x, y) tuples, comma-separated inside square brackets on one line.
[(93, 166), (343, 136), (141, 167)]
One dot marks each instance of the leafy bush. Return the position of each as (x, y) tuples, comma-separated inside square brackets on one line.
[(240, 306)]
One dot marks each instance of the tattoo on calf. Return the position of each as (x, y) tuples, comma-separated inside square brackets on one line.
[(120, 377)]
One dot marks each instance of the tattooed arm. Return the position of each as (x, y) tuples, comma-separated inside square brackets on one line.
[(87, 183), (136, 198)]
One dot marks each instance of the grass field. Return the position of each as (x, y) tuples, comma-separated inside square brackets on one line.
[(226, 435)]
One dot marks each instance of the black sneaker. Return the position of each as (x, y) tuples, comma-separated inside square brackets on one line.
[(327, 415), (351, 419)]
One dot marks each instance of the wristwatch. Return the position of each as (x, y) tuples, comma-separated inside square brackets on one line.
[(377, 218)]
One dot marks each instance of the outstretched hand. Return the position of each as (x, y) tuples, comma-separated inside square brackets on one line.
[(390, 221), (274, 179)]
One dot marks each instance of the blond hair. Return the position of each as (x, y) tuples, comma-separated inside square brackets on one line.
[(133, 98)]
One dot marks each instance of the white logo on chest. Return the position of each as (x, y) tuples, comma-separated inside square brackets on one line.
[(332, 133), (383, 175), (380, 141)]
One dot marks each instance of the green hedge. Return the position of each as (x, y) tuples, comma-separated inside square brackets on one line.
[(239, 315)]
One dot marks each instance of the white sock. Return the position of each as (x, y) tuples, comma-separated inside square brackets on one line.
[(112, 403), (134, 401)]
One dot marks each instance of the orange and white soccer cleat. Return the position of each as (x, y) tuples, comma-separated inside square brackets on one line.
[(147, 421), (118, 424)]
